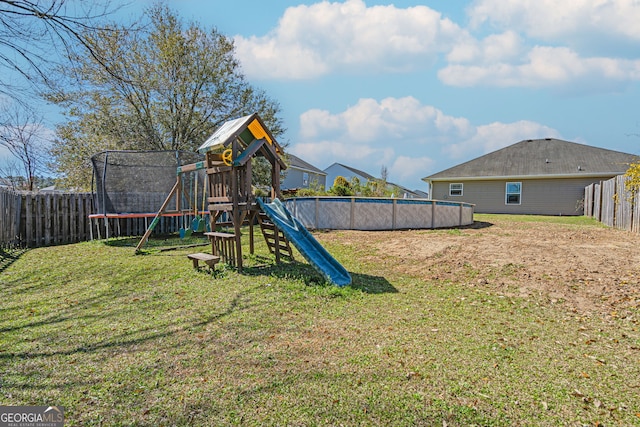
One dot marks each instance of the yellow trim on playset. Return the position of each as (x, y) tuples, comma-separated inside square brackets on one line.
[(258, 132)]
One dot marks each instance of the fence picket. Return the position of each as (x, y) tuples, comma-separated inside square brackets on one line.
[(613, 205)]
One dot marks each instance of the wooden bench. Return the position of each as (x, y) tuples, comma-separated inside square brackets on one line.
[(210, 260)]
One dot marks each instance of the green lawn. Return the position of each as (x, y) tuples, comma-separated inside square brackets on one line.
[(124, 339)]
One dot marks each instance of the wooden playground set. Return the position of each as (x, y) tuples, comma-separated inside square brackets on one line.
[(228, 154)]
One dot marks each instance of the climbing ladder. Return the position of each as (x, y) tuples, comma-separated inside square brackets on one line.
[(276, 241)]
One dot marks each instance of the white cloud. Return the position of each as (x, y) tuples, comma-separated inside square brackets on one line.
[(553, 20), (494, 48), (406, 169), (578, 46), (371, 133), (546, 67), (314, 40), (403, 135), (388, 121)]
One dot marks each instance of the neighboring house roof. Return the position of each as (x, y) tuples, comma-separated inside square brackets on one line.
[(297, 163), (404, 189), (421, 193), (355, 171), (547, 157)]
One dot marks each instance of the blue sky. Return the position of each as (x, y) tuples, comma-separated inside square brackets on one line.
[(420, 86)]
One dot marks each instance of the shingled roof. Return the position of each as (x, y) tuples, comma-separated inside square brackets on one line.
[(297, 162), (547, 157), (357, 172)]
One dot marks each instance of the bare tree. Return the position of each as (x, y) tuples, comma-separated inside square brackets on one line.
[(24, 136), (10, 175), (384, 173), (31, 31)]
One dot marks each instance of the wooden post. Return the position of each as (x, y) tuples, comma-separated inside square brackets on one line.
[(48, 220), (252, 218), (29, 237), (179, 193), (235, 214), (275, 181)]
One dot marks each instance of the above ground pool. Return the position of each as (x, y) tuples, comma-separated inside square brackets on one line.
[(366, 213)]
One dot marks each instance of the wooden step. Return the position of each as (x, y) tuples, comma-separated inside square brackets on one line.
[(277, 242), (220, 235), (210, 260)]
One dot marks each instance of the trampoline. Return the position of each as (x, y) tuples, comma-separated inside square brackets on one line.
[(130, 186)]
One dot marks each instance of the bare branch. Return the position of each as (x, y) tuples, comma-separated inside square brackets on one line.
[(31, 31), (24, 136)]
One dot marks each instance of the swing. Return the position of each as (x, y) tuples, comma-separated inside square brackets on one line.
[(196, 218), (186, 231), (183, 229), (195, 209)]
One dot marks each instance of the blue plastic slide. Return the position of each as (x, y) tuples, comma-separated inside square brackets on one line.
[(306, 244)]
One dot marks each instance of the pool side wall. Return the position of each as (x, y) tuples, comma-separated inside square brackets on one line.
[(362, 213)]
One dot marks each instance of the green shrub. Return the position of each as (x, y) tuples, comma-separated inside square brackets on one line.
[(341, 190)]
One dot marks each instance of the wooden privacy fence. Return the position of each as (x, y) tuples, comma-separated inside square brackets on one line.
[(610, 203), (41, 219)]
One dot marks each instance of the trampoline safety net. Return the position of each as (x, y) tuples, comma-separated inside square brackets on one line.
[(136, 181)]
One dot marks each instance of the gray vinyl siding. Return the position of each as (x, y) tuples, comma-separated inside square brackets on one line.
[(538, 197), (294, 179)]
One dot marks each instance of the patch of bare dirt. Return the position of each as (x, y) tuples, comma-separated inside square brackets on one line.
[(588, 269)]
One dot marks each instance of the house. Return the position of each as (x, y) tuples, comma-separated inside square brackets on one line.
[(301, 174), (539, 176), (348, 173)]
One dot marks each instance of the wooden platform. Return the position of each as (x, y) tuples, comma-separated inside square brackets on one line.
[(223, 245)]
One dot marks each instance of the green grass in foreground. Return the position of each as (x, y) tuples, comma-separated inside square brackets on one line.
[(119, 339)]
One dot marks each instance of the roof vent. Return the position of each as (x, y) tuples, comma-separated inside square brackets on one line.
[(579, 168), (548, 139), (547, 161)]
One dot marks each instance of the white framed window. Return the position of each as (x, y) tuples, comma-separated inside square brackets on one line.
[(513, 193), (305, 179), (455, 189)]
